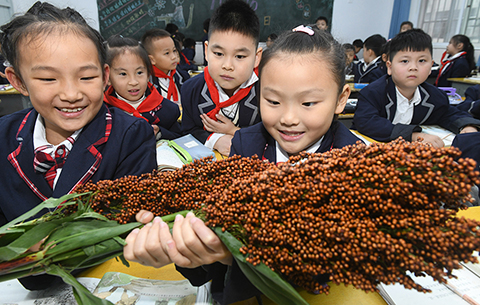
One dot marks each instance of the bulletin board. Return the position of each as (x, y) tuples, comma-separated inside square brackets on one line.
[(131, 18)]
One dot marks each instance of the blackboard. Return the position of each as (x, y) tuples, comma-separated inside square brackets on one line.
[(131, 18)]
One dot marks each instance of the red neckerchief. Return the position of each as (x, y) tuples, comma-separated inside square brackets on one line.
[(212, 88), (172, 93), (147, 105), (444, 64), (186, 59)]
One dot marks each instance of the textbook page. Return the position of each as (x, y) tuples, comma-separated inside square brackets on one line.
[(467, 283), (446, 135)]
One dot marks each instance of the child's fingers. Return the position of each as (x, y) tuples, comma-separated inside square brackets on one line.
[(144, 216), (206, 235), (144, 246), (171, 245)]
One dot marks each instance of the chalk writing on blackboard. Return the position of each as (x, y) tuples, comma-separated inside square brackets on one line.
[(132, 18)]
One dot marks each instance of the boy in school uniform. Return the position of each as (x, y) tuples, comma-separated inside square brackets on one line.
[(398, 103), (371, 68), (165, 58), (471, 104), (225, 97)]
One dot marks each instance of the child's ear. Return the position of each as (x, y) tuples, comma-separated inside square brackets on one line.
[(388, 63), (342, 99), (206, 49), (152, 60), (15, 80), (106, 75), (258, 56)]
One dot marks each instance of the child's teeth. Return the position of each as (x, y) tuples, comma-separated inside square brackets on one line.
[(71, 110)]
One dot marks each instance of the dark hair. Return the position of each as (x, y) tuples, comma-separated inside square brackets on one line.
[(348, 47), (119, 45), (44, 19), (153, 34), (406, 23), (414, 40), (375, 43), (172, 28), (321, 44), (237, 16), (189, 42), (179, 36), (273, 36), (358, 43), (322, 18), (467, 47), (206, 24)]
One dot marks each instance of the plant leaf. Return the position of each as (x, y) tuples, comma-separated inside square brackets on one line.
[(267, 281), (82, 295)]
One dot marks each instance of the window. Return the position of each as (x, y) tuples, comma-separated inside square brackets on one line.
[(444, 18)]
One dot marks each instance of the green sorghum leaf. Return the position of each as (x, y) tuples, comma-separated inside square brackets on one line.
[(85, 239), (82, 295), (266, 280)]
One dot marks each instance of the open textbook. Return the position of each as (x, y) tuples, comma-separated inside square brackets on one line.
[(121, 288), (118, 288), (463, 290)]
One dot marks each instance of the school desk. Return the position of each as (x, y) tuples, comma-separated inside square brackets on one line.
[(338, 294), (12, 101), (462, 84)]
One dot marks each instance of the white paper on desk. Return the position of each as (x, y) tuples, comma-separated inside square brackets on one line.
[(13, 293), (446, 135), (166, 156), (467, 282)]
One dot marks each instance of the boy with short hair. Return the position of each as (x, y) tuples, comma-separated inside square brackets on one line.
[(370, 70), (164, 57), (398, 103), (225, 97), (322, 23)]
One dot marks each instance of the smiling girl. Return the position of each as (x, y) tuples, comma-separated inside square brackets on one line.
[(69, 137), (131, 91)]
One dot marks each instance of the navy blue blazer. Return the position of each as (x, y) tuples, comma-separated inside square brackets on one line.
[(248, 142), (196, 100), (457, 68), (371, 74), (253, 140), (469, 144), (129, 149), (471, 104), (377, 104)]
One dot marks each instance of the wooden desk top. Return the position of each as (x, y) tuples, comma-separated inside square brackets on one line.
[(338, 294), (9, 91), (472, 81)]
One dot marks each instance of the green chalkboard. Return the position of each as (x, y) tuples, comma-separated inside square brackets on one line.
[(132, 18)]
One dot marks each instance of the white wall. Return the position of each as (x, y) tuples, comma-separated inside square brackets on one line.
[(352, 19), (87, 8)]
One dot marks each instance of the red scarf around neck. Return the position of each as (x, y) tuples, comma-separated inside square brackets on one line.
[(445, 63), (153, 101), (212, 88), (185, 57), (172, 93)]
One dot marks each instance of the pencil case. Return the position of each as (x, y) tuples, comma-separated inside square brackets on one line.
[(187, 148)]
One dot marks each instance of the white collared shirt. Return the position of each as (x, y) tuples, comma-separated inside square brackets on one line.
[(365, 65), (405, 107), (282, 155), (40, 139), (231, 111)]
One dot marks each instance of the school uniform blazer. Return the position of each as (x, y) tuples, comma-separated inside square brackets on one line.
[(377, 105), (458, 68), (469, 144), (471, 104), (371, 74), (165, 116), (196, 100), (101, 151), (255, 140), (248, 142)]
